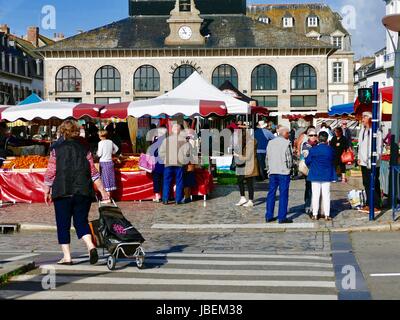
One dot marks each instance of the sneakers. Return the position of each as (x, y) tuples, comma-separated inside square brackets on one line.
[(249, 204), (241, 202)]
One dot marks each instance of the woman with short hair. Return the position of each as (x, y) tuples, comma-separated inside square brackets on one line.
[(322, 172), (69, 182)]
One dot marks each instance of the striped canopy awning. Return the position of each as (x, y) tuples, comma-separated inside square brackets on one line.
[(50, 109), (164, 106)]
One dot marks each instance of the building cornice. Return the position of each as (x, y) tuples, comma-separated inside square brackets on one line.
[(185, 52)]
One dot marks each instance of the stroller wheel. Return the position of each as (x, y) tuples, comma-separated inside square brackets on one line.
[(140, 261), (111, 262)]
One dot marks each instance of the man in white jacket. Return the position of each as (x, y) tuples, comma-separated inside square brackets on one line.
[(364, 159)]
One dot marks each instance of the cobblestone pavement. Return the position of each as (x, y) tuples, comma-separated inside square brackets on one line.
[(219, 209), (178, 241)]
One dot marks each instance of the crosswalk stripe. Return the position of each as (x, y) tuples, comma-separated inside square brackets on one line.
[(191, 275), (212, 272), (156, 295), (21, 257), (180, 282), (239, 263), (238, 256)]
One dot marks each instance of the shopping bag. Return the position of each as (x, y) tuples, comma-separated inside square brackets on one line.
[(303, 168), (147, 162), (357, 199), (348, 157)]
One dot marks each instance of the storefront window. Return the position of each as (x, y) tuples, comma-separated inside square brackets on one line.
[(303, 101), (266, 101)]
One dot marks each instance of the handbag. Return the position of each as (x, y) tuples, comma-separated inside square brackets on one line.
[(348, 157), (303, 168), (147, 162)]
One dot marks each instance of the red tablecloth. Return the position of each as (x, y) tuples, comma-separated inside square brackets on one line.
[(132, 186)]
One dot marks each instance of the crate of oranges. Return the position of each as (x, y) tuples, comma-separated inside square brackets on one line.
[(26, 164), (127, 164)]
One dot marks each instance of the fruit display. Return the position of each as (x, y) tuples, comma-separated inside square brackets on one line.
[(26, 162), (127, 164)]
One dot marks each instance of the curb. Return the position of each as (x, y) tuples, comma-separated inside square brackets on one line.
[(380, 228), (12, 269), (38, 227)]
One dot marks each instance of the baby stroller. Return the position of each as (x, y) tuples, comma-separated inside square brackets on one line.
[(116, 234)]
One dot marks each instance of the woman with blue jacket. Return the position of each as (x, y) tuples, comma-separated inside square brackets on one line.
[(321, 162)]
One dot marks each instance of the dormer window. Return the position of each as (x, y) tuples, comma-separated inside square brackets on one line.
[(264, 19), (312, 21), (337, 41), (184, 6), (288, 22)]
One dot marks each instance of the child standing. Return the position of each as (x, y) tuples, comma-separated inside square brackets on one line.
[(105, 151)]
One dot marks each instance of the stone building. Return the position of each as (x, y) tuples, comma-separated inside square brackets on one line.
[(21, 67), (162, 42), (316, 21)]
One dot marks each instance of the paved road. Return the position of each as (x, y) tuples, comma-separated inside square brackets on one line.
[(378, 255), (207, 265), (222, 265), (186, 276)]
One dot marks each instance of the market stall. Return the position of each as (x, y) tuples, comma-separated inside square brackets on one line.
[(22, 178), (26, 186)]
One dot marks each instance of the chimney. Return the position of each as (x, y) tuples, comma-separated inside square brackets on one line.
[(33, 36), (4, 28)]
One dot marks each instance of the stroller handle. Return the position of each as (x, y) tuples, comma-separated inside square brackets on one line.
[(107, 202)]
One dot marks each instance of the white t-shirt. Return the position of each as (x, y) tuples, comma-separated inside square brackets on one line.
[(106, 149)]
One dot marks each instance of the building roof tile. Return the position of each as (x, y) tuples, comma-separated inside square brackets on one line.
[(149, 32)]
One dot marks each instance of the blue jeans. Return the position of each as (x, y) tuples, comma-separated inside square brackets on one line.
[(77, 208), (169, 174), (283, 182)]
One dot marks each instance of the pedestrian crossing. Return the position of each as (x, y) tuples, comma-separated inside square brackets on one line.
[(176, 276)]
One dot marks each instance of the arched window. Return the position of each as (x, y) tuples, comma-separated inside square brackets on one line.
[(225, 72), (264, 77), (181, 74), (68, 79), (303, 77), (108, 79), (146, 78)]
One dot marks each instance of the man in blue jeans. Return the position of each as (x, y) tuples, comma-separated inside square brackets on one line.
[(174, 151), (279, 161)]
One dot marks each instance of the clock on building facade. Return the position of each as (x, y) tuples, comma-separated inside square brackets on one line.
[(185, 25)]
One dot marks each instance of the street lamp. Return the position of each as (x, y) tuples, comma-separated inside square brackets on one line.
[(392, 23)]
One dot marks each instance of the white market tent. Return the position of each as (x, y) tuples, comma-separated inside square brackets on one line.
[(195, 96), (196, 87)]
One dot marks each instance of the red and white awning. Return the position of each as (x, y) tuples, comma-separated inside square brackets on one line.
[(164, 106), (49, 109)]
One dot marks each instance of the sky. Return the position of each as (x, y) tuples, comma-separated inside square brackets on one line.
[(71, 16)]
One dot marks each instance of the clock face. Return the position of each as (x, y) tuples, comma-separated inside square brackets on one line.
[(185, 33)]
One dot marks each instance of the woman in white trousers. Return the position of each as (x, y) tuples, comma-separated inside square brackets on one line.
[(322, 172)]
